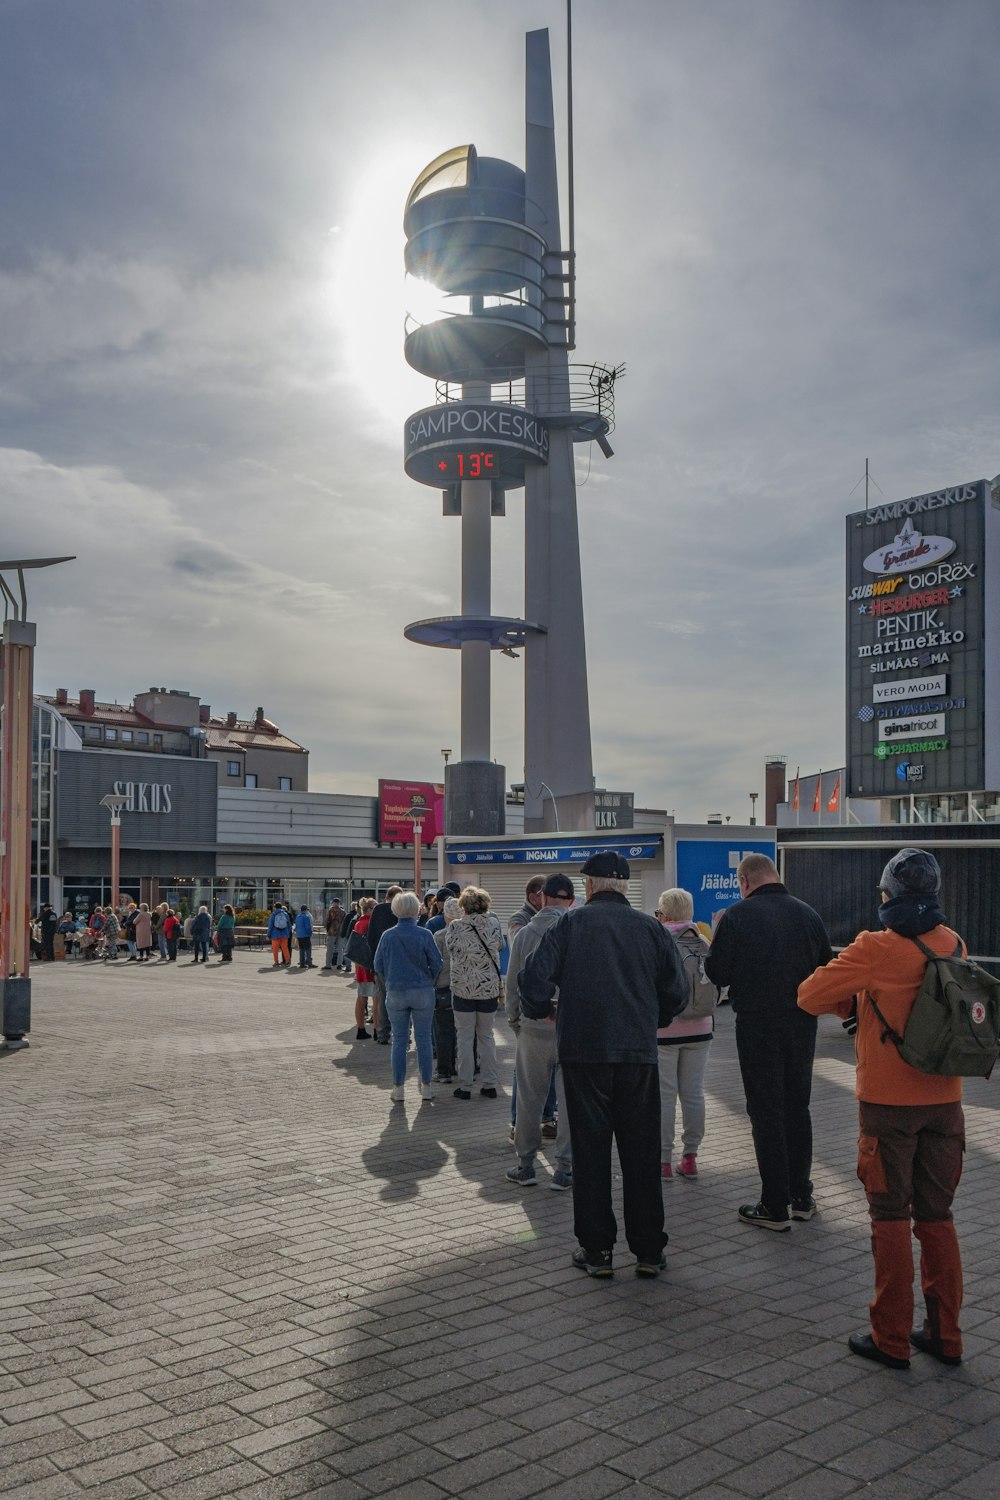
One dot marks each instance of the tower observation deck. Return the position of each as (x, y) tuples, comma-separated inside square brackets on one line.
[(508, 409)]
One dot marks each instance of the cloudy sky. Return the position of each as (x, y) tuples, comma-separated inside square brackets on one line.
[(787, 228)]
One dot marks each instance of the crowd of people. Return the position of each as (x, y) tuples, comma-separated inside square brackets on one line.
[(148, 934), (613, 1015)]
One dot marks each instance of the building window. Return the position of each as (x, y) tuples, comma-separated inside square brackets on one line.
[(126, 736), (142, 738), (232, 768), (158, 741), (110, 734), (284, 783), (92, 731), (250, 779)]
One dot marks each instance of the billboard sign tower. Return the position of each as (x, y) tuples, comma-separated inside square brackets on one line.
[(923, 644)]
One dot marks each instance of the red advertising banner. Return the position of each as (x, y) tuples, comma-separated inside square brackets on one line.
[(398, 800)]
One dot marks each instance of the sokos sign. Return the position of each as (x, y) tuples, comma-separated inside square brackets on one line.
[(145, 796)]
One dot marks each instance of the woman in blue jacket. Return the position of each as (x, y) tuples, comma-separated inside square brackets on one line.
[(407, 961)]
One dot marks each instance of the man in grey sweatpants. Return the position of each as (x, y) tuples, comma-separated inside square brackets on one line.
[(536, 1048)]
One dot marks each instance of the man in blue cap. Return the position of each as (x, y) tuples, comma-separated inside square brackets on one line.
[(619, 977)]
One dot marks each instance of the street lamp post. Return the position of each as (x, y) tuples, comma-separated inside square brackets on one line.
[(114, 802), (416, 816), (19, 636), (753, 809)]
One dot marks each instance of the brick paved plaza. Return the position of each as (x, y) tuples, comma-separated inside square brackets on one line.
[(228, 1266)]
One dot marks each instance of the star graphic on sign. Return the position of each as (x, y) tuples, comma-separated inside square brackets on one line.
[(955, 593), (862, 609), (443, 464)]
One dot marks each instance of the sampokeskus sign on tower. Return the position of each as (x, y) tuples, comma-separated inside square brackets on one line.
[(923, 616)]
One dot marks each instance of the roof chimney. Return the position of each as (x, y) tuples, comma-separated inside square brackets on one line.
[(258, 717), (87, 701), (204, 713), (62, 697), (230, 720)]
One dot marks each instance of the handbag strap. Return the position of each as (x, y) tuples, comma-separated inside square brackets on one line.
[(486, 950)]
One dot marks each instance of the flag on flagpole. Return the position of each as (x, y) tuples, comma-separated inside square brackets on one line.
[(819, 788), (834, 803), (795, 792)]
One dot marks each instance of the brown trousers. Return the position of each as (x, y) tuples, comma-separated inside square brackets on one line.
[(910, 1161)]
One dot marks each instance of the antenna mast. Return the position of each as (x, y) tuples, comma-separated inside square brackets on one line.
[(570, 192)]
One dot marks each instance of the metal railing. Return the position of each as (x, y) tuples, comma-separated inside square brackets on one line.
[(590, 388)]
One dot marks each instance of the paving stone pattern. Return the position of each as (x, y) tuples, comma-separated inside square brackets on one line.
[(229, 1267)]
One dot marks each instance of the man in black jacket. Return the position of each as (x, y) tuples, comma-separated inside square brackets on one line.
[(763, 948), (619, 977), (381, 920)]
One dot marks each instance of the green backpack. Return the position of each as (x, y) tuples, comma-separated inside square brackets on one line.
[(954, 1026)]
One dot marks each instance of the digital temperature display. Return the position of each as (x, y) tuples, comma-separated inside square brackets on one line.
[(468, 463)]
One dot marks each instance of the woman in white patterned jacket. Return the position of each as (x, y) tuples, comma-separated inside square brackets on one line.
[(474, 943)]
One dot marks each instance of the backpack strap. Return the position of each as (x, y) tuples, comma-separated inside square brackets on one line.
[(887, 1029), (929, 952)]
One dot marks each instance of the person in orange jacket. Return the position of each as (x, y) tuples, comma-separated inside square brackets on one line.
[(911, 1125)]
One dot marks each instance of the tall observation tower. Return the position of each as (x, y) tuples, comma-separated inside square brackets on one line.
[(509, 408)]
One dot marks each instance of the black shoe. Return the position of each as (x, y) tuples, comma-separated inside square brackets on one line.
[(802, 1208), (926, 1345), (461, 1094), (651, 1267), (488, 1093), (362, 1035), (594, 1262), (756, 1213), (865, 1345)]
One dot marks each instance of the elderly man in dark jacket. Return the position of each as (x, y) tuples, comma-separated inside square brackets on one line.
[(763, 948), (619, 977)]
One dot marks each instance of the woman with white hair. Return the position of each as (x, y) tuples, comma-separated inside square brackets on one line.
[(407, 962), (682, 1047), (474, 944)]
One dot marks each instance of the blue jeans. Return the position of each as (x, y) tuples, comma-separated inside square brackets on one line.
[(402, 1005)]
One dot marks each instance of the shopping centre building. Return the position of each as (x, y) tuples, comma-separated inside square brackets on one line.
[(193, 830)]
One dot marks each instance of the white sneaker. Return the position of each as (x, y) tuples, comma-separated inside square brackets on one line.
[(397, 1094), (426, 1092)]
